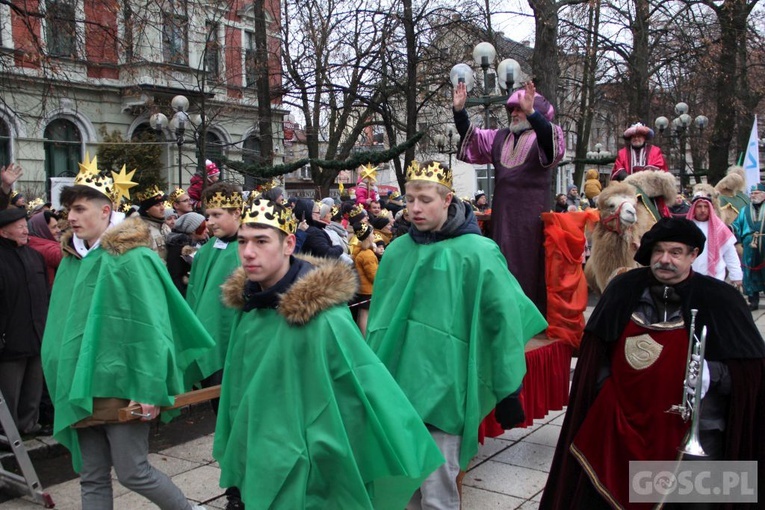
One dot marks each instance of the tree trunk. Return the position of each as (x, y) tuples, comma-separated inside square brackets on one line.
[(545, 59), (638, 65), (263, 82)]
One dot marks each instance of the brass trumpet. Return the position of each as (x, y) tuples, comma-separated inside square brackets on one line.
[(690, 407)]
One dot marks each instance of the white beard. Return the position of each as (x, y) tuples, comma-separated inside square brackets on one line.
[(520, 126)]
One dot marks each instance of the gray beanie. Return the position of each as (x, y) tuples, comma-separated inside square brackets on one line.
[(169, 213), (328, 201), (189, 222)]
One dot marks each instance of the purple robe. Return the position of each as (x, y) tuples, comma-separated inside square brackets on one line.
[(522, 192)]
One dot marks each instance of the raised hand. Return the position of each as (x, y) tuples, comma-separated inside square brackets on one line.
[(526, 100), (10, 174), (460, 97)]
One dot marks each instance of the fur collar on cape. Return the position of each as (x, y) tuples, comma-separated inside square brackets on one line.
[(117, 240), (331, 282)]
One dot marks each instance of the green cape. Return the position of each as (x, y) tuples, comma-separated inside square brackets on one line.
[(117, 327), (450, 322), (209, 271), (310, 419)]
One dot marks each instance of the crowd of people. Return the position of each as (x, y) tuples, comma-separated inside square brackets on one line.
[(359, 342)]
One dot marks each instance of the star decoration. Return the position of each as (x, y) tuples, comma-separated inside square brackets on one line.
[(89, 167), (122, 183), (340, 188), (369, 172)]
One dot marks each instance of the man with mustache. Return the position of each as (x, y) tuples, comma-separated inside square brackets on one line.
[(749, 227), (631, 369), (524, 155)]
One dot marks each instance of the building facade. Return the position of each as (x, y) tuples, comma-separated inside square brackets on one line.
[(73, 71)]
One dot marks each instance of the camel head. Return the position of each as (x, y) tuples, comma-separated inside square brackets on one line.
[(617, 206)]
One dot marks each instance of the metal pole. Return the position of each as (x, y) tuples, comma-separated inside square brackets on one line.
[(180, 169), (489, 168)]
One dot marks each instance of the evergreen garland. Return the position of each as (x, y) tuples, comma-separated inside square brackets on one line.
[(356, 160)]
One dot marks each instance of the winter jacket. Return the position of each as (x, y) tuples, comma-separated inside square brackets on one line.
[(23, 300), (592, 186), (51, 252), (366, 265)]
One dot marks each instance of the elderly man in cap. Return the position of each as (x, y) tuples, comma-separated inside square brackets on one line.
[(23, 308), (631, 370), (637, 155), (523, 156)]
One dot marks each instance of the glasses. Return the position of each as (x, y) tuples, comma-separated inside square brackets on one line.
[(183, 201)]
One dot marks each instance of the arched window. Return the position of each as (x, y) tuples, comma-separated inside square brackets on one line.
[(5, 144), (63, 144)]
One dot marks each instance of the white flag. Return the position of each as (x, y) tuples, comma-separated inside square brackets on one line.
[(752, 158)]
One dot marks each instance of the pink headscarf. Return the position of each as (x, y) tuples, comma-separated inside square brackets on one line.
[(718, 234)]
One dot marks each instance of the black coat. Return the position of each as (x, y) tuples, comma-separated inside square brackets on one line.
[(23, 300)]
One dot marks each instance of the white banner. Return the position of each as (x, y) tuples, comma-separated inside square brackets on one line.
[(752, 158)]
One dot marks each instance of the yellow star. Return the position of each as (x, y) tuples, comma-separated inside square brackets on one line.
[(340, 188), (122, 184), (369, 172), (89, 167)]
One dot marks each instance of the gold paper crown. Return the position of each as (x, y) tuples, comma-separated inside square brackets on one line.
[(37, 202), (153, 192), (90, 176), (335, 210), (14, 194), (265, 212), (435, 172), (221, 201), (125, 207), (357, 210), (176, 194), (385, 213), (377, 237)]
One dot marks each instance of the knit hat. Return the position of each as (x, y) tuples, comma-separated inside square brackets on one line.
[(362, 231), (169, 213), (212, 168), (478, 194), (191, 223), (380, 222), (760, 186), (273, 194), (677, 230)]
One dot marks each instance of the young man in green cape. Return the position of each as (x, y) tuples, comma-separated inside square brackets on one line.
[(213, 263), (450, 322), (118, 332), (309, 418)]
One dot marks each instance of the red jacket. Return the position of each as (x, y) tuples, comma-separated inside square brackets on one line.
[(51, 252)]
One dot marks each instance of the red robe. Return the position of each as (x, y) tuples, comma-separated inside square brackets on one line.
[(654, 157)]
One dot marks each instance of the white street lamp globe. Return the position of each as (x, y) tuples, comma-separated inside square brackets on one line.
[(681, 108), (686, 120), (180, 103), (158, 121), (462, 73), (701, 121), (661, 123), (484, 54), (508, 72)]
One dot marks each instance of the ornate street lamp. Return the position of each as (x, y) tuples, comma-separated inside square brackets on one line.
[(680, 126)]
